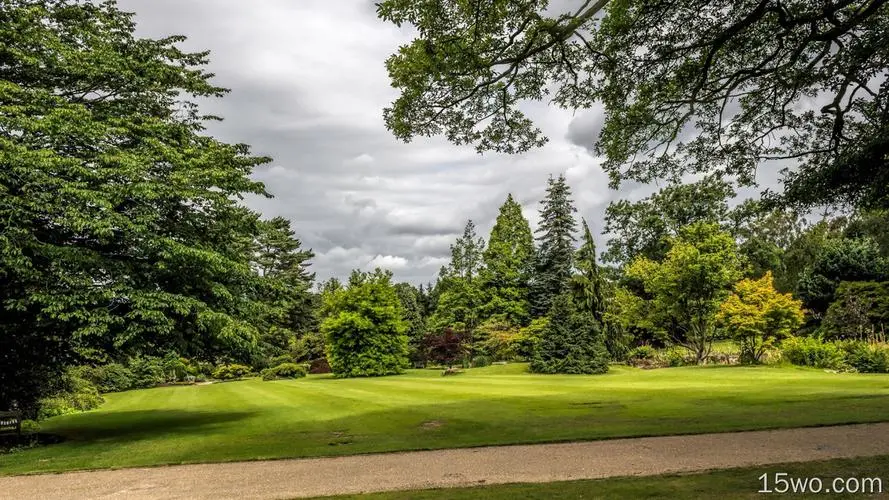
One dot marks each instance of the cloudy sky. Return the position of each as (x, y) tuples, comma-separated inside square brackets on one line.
[(308, 86)]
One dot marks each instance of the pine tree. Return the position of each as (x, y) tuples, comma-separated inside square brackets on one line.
[(572, 341), (507, 266), (555, 255), (458, 292)]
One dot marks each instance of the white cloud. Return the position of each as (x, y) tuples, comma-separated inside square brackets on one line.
[(391, 262)]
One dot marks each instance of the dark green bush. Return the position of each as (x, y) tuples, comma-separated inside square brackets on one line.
[(642, 352), (481, 361), (284, 370), (76, 394), (231, 372), (809, 351), (113, 377), (865, 357), (147, 372)]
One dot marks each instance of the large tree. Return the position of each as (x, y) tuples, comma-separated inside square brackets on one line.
[(571, 342), (120, 225), (757, 80), (365, 332), (688, 286), (555, 252), (643, 228), (458, 291), (507, 266)]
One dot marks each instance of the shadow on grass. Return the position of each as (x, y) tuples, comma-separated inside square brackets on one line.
[(126, 426)]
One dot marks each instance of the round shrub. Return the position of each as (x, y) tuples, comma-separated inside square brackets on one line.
[(865, 357), (284, 370), (808, 351), (481, 361), (642, 352), (230, 371)]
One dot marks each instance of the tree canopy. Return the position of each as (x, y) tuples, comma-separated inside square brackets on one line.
[(121, 229), (719, 86)]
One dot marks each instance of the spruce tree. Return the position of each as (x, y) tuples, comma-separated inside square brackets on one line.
[(507, 266), (555, 254), (572, 341)]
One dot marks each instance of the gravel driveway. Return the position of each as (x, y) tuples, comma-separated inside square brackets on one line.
[(458, 467)]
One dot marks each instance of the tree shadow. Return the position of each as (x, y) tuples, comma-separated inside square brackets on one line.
[(126, 426)]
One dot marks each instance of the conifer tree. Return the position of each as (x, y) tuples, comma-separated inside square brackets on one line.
[(572, 341), (507, 266), (458, 290), (555, 254)]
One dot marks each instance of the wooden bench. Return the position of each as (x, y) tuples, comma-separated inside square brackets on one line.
[(10, 422)]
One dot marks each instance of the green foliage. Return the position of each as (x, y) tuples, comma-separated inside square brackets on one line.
[(413, 317), (231, 371), (865, 357), (861, 310), (572, 342), (525, 343), (644, 228), (498, 339), (109, 179), (459, 290), (688, 287), (73, 394), (642, 352), (507, 266), (758, 317), (554, 261), (284, 370), (839, 260), (810, 351), (113, 377), (659, 69), (365, 332), (480, 362), (147, 371)]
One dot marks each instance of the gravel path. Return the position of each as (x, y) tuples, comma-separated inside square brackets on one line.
[(458, 467)]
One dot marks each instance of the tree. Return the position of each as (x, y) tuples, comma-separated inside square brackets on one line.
[(688, 286), (592, 294), (121, 230), (644, 228), (759, 80), (838, 260), (365, 333), (764, 236), (459, 296), (507, 266), (758, 316), (446, 347), (860, 311), (289, 306), (555, 254), (571, 342), (410, 298)]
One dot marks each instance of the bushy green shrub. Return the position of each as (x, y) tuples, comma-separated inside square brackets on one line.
[(809, 351), (230, 371), (284, 370), (866, 357), (675, 358), (75, 394), (147, 371), (113, 377), (481, 361), (642, 352)]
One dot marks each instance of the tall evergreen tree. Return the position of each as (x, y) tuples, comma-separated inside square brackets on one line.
[(413, 317), (572, 341), (591, 293), (507, 266), (458, 290), (555, 254)]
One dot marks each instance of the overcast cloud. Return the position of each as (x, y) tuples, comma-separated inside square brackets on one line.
[(308, 86)]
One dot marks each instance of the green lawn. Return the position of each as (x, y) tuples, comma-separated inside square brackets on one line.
[(723, 484), (422, 410)]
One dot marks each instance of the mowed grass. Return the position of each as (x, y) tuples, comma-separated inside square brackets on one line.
[(320, 415), (741, 483)]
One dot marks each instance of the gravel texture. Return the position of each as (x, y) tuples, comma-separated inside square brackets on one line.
[(458, 467)]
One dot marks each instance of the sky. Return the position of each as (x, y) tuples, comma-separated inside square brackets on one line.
[(308, 86)]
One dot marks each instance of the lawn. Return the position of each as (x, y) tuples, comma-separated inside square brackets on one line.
[(422, 410), (723, 484)]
